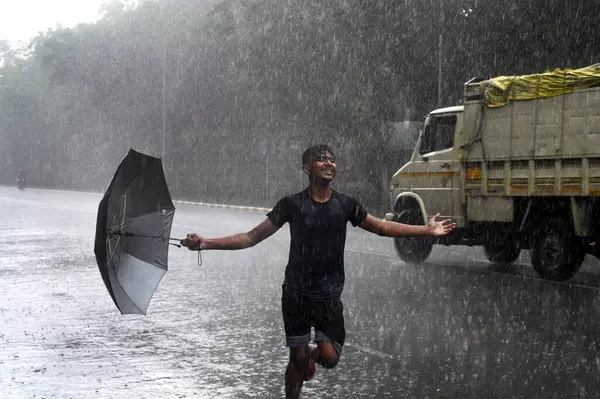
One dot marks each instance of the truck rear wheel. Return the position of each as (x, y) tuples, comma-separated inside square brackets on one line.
[(502, 252), (556, 254), (414, 249)]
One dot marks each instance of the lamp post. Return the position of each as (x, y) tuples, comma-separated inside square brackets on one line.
[(164, 102), (265, 151), (440, 53)]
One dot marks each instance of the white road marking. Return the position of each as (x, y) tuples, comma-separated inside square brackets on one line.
[(370, 351)]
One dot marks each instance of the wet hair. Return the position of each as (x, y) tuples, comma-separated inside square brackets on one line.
[(314, 153)]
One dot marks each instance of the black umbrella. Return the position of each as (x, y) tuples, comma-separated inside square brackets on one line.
[(132, 232)]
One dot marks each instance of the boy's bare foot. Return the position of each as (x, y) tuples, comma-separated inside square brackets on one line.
[(312, 368)]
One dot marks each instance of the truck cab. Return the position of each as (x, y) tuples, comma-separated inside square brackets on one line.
[(431, 179)]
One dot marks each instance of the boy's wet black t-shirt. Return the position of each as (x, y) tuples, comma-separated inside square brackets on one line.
[(318, 238)]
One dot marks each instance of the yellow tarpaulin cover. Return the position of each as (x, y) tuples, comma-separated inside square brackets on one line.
[(501, 90)]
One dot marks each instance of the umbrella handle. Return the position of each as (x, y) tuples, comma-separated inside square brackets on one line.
[(184, 242)]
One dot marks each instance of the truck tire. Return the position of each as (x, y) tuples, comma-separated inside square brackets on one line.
[(502, 252), (415, 249), (556, 253)]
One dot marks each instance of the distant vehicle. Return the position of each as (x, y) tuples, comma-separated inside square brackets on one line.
[(517, 166), (21, 180)]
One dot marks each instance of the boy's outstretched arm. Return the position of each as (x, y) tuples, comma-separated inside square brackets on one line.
[(388, 228), (237, 241)]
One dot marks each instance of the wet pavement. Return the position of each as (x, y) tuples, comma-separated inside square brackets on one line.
[(455, 327)]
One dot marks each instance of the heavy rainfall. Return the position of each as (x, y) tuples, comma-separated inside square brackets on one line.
[(486, 112)]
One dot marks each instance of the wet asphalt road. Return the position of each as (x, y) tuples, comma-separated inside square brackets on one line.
[(455, 327)]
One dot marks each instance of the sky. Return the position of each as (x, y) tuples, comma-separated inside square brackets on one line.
[(21, 20)]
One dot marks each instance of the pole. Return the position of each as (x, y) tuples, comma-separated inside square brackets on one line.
[(440, 53), (267, 171), (164, 102)]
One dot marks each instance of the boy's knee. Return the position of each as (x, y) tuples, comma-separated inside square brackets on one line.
[(329, 362), (328, 356)]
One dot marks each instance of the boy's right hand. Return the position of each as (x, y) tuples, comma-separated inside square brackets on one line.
[(192, 241)]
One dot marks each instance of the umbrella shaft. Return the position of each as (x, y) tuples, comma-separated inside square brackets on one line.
[(120, 233)]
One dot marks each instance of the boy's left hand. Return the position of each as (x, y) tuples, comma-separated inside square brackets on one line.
[(440, 228)]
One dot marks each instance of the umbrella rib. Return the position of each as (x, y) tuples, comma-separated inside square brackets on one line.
[(124, 209), (121, 206), (118, 243)]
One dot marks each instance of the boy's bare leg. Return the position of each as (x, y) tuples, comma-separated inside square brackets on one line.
[(295, 371)]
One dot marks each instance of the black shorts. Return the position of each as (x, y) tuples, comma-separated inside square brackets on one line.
[(300, 313)]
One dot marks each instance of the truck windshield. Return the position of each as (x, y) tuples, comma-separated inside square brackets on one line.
[(438, 134)]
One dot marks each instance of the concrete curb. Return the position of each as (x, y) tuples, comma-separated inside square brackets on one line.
[(240, 207)]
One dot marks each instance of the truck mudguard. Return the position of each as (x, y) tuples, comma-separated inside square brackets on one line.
[(419, 201)]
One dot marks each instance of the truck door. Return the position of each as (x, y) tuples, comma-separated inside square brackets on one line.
[(435, 174)]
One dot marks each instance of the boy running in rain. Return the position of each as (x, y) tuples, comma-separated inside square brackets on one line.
[(314, 275)]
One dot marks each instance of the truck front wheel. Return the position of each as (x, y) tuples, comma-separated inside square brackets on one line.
[(556, 252), (502, 252), (414, 249)]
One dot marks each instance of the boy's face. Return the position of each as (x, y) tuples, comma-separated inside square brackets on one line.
[(323, 167)]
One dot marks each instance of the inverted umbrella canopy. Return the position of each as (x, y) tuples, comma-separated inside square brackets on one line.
[(132, 232)]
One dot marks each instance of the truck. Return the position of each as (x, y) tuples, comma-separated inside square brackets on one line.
[(516, 166)]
